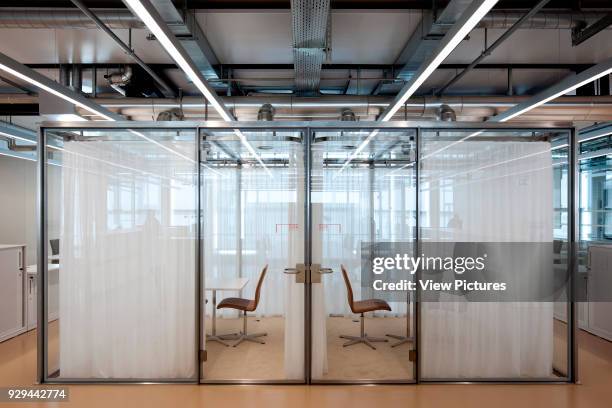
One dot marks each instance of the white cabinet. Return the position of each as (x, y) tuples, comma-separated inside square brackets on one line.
[(599, 288), (13, 306), (52, 292)]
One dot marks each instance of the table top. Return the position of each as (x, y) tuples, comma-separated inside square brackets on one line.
[(33, 269), (10, 246), (225, 283)]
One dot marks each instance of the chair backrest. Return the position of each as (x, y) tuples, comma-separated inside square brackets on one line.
[(262, 275), (349, 289), (54, 246)]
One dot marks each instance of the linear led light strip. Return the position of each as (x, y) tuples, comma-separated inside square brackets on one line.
[(9, 65), (55, 92), (565, 86), (146, 14), (450, 41)]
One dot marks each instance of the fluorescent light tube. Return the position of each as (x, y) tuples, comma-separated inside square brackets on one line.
[(163, 35), (456, 35), (453, 37), (55, 92)]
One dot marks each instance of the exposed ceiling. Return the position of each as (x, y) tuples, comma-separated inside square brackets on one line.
[(252, 41)]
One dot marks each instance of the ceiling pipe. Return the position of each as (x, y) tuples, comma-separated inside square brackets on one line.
[(266, 113), (123, 19), (165, 88), (287, 107)]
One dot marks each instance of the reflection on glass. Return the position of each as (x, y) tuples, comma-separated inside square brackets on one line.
[(123, 207), (494, 186)]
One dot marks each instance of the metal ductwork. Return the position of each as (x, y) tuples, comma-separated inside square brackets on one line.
[(170, 115), (309, 21), (123, 19), (266, 113), (347, 115), (287, 107), (120, 78), (446, 114), (66, 18), (544, 20)]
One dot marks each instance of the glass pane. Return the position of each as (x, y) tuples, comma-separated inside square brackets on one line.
[(366, 202), (504, 194), (122, 217), (253, 221), (595, 251)]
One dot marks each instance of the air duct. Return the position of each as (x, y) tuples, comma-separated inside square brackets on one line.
[(347, 115), (120, 78), (171, 115), (266, 113), (446, 114), (66, 18)]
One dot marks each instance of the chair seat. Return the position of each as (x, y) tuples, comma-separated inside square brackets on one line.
[(237, 303), (369, 305)]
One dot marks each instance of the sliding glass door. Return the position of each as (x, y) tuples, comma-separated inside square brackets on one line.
[(253, 270)]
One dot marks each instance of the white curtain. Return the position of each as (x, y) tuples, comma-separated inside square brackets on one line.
[(487, 192), (128, 240), (358, 206), (252, 219)]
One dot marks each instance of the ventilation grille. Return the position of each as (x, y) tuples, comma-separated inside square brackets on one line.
[(310, 25)]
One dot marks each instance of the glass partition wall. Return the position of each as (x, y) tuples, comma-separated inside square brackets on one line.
[(122, 206), (255, 265)]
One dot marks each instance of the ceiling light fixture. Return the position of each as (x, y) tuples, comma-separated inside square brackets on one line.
[(149, 16), (18, 70), (563, 87), (468, 20)]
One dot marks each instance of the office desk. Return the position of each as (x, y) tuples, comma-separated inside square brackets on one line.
[(215, 284)]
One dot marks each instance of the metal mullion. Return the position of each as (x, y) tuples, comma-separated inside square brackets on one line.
[(307, 255), (417, 295), (41, 276), (199, 282), (574, 241)]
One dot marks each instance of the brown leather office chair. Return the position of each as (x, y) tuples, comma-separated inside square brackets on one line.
[(360, 307), (246, 305)]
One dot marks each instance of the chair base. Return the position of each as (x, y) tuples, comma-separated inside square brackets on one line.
[(365, 339), (222, 338), (402, 339), (249, 337)]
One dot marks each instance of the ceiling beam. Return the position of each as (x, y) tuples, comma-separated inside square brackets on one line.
[(185, 27)]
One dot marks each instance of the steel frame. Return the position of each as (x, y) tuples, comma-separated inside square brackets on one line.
[(308, 129)]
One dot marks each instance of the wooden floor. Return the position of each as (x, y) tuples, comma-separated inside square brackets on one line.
[(18, 361)]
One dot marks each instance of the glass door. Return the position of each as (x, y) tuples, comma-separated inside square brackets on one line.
[(363, 203), (253, 195)]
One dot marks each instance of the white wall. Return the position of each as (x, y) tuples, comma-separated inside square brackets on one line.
[(18, 204)]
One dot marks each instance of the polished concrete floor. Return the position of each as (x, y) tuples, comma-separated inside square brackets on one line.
[(18, 361)]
